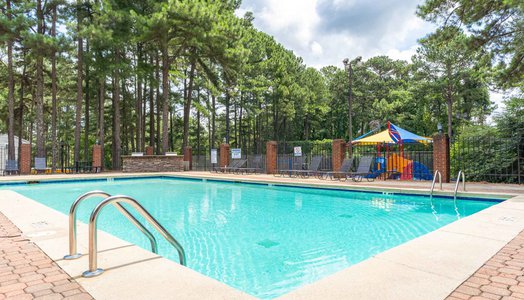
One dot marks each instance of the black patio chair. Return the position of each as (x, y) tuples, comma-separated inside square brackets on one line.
[(363, 170), (312, 169), (11, 167), (342, 173)]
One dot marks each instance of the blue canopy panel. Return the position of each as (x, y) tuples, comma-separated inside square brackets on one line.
[(401, 135)]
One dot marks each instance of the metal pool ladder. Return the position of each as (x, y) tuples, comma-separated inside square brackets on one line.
[(116, 201), (437, 172), (457, 184)]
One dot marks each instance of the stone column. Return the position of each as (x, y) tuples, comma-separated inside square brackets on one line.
[(224, 155), (97, 158), (271, 157), (338, 152), (441, 157), (25, 159), (149, 150), (188, 158)]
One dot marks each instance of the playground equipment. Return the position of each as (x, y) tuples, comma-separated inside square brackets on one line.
[(396, 164)]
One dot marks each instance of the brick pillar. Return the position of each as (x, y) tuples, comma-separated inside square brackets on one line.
[(224, 155), (25, 159), (338, 152), (271, 157), (97, 158), (149, 150), (188, 158), (441, 157)]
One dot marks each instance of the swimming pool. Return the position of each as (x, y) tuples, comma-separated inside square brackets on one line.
[(264, 240)]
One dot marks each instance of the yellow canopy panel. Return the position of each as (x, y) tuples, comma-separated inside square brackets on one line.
[(381, 137)]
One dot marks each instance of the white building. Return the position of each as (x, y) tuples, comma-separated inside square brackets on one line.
[(3, 149)]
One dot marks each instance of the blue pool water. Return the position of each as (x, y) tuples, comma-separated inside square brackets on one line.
[(264, 240)]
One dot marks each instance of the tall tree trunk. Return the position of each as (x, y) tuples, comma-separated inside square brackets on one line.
[(127, 127), (198, 122), (227, 115), (79, 90), (240, 132), (21, 107), (151, 108), (235, 129), (213, 121), (139, 99), (40, 141), (449, 100), (158, 106), (87, 104), (10, 93), (165, 98), (171, 130), (187, 104), (117, 143), (101, 111), (54, 140), (208, 104)]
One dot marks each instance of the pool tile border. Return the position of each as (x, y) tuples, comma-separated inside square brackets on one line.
[(490, 198)]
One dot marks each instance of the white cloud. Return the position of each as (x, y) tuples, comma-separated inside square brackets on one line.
[(316, 49), (324, 32)]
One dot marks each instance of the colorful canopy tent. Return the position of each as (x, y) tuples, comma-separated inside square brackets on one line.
[(393, 135)]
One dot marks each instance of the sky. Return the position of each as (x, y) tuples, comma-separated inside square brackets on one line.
[(324, 32)]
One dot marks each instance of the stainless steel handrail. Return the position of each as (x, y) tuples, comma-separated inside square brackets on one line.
[(457, 183), (437, 172), (93, 219), (73, 254)]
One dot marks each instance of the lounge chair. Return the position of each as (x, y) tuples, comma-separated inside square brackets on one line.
[(312, 169), (344, 170), (256, 167), (238, 166), (11, 166), (40, 165), (232, 164), (364, 170), (298, 163)]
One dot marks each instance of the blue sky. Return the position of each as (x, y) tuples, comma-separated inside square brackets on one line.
[(324, 32)]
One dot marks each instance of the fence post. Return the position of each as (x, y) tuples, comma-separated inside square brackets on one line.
[(97, 158), (271, 157), (25, 159), (188, 158), (441, 156), (224, 155), (338, 152)]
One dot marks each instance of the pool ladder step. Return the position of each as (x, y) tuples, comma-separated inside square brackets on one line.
[(437, 172), (459, 176), (117, 202)]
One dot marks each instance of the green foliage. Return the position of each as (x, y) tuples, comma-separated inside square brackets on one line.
[(244, 83), (496, 26)]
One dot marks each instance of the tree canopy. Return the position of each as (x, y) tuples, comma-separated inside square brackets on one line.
[(175, 73)]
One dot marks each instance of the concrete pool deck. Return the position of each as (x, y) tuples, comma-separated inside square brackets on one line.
[(429, 267)]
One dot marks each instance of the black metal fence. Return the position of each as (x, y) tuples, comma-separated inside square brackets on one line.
[(256, 158), (287, 158), (399, 161), (489, 159)]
